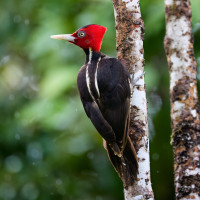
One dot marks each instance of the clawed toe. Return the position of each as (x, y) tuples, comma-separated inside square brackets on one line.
[(116, 149)]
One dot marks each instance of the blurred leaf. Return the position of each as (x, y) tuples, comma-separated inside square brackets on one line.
[(57, 81)]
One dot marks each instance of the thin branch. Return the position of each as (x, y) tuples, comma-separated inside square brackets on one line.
[(184, 99), (129, 35)]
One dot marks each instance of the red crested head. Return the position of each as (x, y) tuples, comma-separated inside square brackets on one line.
[(86, 37)]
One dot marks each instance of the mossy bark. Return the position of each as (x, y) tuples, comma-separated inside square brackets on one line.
[(184, 99)]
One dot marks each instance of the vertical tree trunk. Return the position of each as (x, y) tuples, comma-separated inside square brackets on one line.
[(184, 99), (129, 35)]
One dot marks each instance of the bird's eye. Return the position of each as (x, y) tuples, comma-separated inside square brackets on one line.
[(81, 34)]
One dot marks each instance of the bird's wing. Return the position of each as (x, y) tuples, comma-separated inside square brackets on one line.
[(115, 102), (109, 113), (95, 114), (118, 119)]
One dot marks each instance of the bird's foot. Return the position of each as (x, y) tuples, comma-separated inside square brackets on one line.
[(134, 81), (116, 149)]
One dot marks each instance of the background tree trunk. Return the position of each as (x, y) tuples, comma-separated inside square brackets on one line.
[(129, 35), (184, 99)]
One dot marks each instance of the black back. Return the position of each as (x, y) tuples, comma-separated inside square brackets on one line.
[(113, 85)]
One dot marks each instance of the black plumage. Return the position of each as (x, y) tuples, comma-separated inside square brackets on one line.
[(107, 104)]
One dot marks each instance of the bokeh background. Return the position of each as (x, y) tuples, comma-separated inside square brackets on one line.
[(49, 149)]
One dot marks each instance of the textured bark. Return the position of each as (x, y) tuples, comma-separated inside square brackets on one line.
[(184, 99), (129, 35)]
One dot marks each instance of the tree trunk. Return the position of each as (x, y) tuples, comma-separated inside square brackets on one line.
[(184, 99), (129, 35)]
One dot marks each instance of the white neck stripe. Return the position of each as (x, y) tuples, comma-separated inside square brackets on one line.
[(87, 74), (96, 81), (90, 55), (88, 83)]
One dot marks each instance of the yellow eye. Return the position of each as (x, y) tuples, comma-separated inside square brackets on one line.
[(81, 34)]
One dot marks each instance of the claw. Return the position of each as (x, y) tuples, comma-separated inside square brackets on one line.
[(134, 81), (116, 150)]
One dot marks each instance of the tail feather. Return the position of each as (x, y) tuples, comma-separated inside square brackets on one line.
[(127, 165)]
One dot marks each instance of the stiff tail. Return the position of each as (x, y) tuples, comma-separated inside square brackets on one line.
[(127, 165)]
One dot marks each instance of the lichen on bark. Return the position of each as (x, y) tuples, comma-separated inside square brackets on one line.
[(183, 98), (129, 36)]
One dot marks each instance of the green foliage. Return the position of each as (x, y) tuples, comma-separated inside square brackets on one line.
[(48, 147)]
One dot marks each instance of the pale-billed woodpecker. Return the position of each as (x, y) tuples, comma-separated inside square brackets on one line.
[(104, 87)]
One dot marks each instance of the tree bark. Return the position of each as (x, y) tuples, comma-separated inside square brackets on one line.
[(184, 99), (129, 35)]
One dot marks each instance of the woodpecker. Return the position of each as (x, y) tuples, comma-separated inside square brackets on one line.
[(104, 88)]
